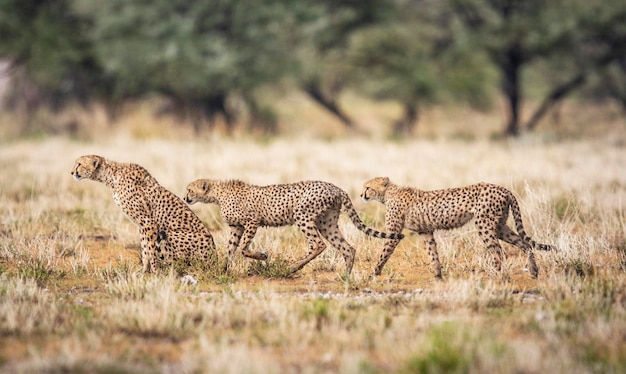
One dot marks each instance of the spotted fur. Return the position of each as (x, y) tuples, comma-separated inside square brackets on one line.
[(427, 211), (169, 229), (313, 206)]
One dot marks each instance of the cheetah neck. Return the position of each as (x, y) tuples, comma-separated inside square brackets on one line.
[(107, 173), (223, 190), (390, 191)]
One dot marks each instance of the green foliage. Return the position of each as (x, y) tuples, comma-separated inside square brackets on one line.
[(40, 270), (276, 267), (602, 358), (398, 62), (46, 38), (579, 267), (27, 308), (197, 54), (200, 48), (562, 40), (319, 311), (444, 353), (451, 347), (211, 57), (209, 271), (567, 207), (420, 58), (121, 270)]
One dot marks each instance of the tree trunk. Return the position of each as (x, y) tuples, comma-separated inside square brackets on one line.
[(554, 97), (261, 119), (315, 92), (213, 106), (616, 86), (406, 124), (511, 69)]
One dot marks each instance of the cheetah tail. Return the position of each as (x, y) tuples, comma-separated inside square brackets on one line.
[(348, 208), (519, 226)]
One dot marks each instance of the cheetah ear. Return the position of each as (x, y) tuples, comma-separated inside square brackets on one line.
[(96, 162), (204, 186), (385, 181)]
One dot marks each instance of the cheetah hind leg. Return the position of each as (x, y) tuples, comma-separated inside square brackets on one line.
[(331, 232), (489, 237), (432, 253), (506, 234), (316, 245)]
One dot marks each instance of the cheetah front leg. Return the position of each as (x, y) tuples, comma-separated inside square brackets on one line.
[(149, 247), (394, 223), (390, 246), (241, 236), (233, 243), (248, 234), (139, 213)]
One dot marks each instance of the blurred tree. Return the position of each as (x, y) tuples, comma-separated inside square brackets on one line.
[(198, 54), (418, 60), (49, 55), (612, 82), (596, 57), (515, 33), (578, 37), (209, 57), (322, 54)]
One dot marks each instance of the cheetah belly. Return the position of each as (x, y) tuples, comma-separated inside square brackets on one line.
[(276, 220), (275, 215), (455, 221)]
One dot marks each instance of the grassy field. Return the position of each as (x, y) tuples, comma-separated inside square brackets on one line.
[(73, 298)]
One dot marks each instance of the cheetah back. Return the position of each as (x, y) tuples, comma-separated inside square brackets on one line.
[(452, 208)]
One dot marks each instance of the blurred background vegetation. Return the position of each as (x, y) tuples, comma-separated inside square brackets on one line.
[(209, 61)]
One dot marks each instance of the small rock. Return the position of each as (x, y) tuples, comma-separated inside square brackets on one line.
[(188, 279)]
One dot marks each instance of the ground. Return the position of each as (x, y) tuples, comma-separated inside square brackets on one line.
[(73, 297)]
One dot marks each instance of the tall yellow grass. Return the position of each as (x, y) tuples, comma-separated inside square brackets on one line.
[(72, 296)]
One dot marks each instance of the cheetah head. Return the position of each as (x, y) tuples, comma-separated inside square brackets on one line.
[(86, 167), (197, 191), (374, 189)]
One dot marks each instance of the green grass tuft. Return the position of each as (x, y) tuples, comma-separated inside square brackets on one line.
[(273, 267)]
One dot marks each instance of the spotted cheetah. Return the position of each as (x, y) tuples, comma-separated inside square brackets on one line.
[(427, 211), (169, 229), (314, 206)]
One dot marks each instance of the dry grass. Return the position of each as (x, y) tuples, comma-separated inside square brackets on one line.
[(72, 297)]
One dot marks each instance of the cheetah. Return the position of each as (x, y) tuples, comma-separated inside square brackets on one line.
[(169, 229), (314, 206), (427, 211)]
